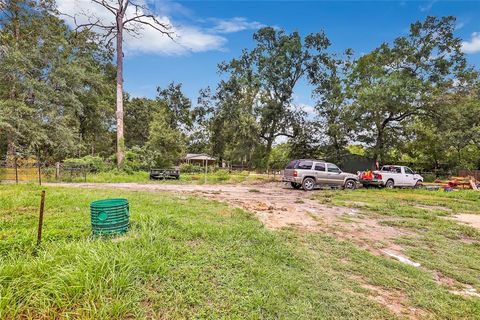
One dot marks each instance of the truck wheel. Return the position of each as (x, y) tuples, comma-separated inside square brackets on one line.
[(418, 185), (308, 184), (295, 185), (350, 184), (390, 184)]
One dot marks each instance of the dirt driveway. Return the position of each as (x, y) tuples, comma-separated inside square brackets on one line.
[(277, 206)]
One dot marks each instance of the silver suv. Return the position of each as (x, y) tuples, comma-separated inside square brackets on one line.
[(308, 174)]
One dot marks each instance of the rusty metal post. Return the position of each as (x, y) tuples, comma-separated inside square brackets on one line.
[(57, 171), (39, 172), (40, 218), (206, 169)]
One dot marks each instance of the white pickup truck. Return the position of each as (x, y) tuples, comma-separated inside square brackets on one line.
[(391, 176)]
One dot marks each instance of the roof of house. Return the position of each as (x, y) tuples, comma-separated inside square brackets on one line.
[(198, 156)]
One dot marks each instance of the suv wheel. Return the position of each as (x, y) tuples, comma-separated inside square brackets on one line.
[(308, 184), (350, 184), (296, 185)]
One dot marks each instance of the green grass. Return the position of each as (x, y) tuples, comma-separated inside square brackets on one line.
[(186, 257), (438, 243), (114, 176)]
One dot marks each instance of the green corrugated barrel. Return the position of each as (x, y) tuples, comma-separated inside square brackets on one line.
[(111, 216)]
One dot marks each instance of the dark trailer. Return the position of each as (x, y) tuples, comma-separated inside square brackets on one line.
[(163, 174)]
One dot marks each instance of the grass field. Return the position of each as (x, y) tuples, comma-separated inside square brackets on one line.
[(220, 176), (438, 242), (186, 257)]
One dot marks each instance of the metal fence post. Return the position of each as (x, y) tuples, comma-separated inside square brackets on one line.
[(39, 173), (16, 170), (57, 170), (40, 218)]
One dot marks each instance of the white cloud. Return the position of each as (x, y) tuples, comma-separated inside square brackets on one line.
[(473, 45), (168, 8), (428, 6), (459, 25), (234, 25), (187, 38)]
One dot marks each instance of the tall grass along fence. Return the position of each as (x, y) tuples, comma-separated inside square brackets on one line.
[(34, 171)]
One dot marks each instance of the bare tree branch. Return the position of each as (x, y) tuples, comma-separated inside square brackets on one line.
[(104, 4)]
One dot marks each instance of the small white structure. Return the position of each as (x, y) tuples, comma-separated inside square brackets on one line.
[(199, 159)]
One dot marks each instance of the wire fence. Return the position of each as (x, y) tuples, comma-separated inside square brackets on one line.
[(33, 171), (38, 172)]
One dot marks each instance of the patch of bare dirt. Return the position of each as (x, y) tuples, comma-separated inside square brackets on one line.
[(356, 203), (470, 219), (456, 287), (278, 206), (395, 301), (467, 292)]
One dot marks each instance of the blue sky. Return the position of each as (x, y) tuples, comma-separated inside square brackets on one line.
[(222, 29)]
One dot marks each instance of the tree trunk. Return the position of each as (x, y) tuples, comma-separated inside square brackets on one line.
[(378, 150), (11, 152), (119, 113), (10, 149)]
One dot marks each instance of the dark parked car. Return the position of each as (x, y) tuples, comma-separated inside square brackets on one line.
[(163, 174)]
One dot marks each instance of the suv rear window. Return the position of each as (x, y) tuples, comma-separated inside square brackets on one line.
[(304, 165), (291, 165)]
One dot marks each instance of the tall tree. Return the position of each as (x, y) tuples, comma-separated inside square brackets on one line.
[(177, 106), (281, 60), (139, 114), (165, 143), (233, 126), (450, 140), (256, 100), (395, 83), (130, 16), (330, 77), (17, 19), (47, 77)]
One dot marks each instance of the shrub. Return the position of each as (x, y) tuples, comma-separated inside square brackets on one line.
[(191, 168), (429, 177), (222, 175), (94, 163)]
